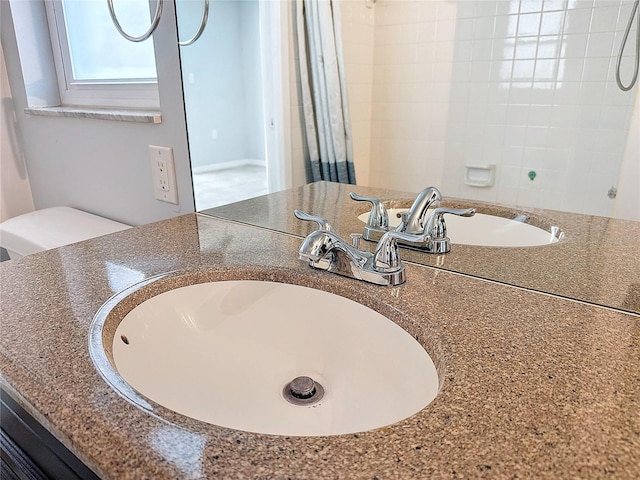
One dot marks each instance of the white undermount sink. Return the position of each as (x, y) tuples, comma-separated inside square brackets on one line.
[(486, 230), (224, 353)]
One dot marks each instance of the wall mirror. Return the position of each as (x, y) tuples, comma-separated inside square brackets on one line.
[(523, 89)]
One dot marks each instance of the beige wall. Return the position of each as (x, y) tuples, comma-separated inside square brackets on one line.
[(358, 22), (297, 145)]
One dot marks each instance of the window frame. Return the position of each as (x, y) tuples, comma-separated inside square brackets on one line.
[(125, 93)]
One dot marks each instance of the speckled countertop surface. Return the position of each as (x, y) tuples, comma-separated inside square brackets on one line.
[(598, 262), (533, 386)]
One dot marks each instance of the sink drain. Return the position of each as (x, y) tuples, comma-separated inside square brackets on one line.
[(303, 391)]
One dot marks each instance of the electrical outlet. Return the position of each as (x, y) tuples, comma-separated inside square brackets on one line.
[(164, 174)]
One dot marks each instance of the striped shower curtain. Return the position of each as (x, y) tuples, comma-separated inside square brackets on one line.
[(324, 94)]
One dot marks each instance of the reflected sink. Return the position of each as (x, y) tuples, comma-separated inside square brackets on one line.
[(225, 353), (486, 230)]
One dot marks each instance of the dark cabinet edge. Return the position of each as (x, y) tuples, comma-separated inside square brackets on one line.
[(31, 451)]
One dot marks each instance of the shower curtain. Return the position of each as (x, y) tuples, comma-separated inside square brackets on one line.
[(324, 94)]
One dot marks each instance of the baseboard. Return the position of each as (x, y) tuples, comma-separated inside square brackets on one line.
[(212, 167)]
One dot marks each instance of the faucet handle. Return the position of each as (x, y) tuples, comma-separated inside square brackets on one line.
[(378, 217), (387, 255), (437, 216), (323, 223), (437, 227)]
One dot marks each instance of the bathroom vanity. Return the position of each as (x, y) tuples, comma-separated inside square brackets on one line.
[(537, 349)]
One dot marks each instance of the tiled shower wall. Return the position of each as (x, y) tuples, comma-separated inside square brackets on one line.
[(527, 86)]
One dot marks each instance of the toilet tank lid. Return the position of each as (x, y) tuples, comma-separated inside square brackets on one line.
[(53, 227)]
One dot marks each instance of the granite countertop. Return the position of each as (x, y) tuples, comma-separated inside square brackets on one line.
[(597, 262), (532, 385)]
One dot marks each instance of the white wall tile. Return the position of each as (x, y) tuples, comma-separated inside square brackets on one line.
[(446, 10), (529, 24), (577, 20), (428, 11), (427, 32), (595, 69), (463, 51), (601, 45), (549, 46), (445, 30), (506, 26), (551, 5), (525, 48), (552, 23), (442, 52), (574, 45), (466, 9), (515, 135), (530, 6), (485, 26), (545, 70), (591, 93), (482, 49), (604, 19)]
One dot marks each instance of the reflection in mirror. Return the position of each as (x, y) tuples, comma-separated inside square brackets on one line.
[(227, 100), (524, 88), (506, 101)]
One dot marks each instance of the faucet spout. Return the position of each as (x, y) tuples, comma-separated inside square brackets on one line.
[(414, 221), (322, 246)]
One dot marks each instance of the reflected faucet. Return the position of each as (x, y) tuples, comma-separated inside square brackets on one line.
[(415, 221), (323, 249), (412, 221), (436, 227)]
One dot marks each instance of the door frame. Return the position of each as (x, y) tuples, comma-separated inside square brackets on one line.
[(274, 43)]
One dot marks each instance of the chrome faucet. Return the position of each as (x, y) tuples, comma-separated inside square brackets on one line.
[(436, 228), (412, 220), (415, 221), (325, 250)]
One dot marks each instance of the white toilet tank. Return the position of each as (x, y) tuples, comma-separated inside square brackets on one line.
[(51, 228)]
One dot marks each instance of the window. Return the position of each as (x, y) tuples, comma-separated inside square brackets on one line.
[(95, 65)]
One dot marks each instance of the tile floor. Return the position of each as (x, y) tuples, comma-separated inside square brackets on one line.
[(212, 189)]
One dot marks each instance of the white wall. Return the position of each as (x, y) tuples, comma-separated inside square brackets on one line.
[(103, 166), (15, 191)]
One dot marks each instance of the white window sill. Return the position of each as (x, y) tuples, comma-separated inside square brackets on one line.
[(140, 116)]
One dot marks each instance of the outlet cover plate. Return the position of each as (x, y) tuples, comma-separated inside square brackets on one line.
[(164, 174)]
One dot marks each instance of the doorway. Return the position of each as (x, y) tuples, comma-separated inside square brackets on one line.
[(228, 78)]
